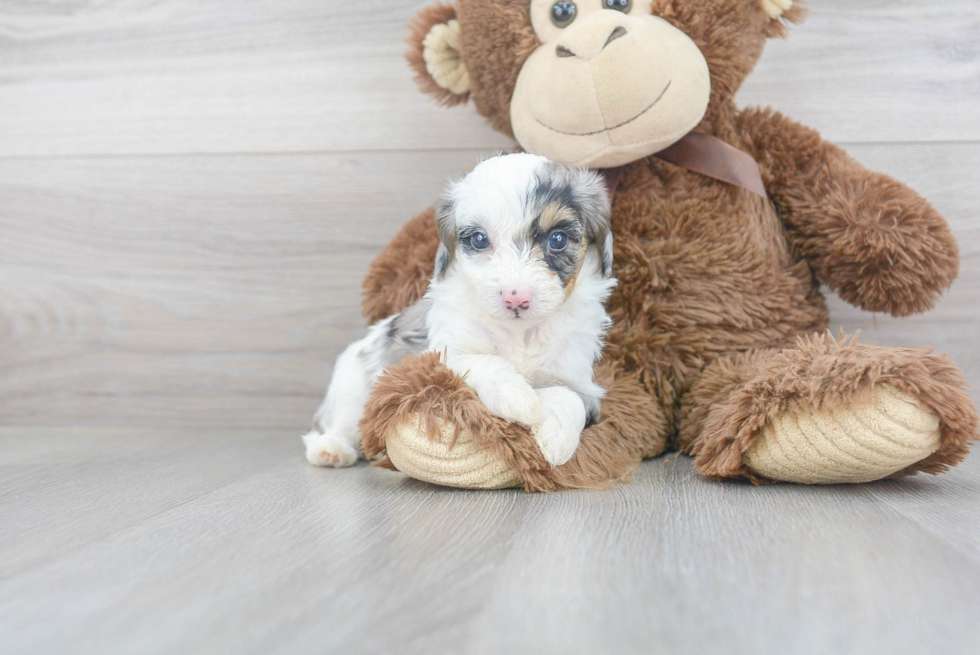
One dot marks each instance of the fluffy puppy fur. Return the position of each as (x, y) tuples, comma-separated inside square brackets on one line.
[(522, 272)]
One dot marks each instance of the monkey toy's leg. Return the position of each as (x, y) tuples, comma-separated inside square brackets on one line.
[(432, 426), (828, 411)]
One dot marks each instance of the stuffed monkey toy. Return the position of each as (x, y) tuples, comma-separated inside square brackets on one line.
[(727, 221)]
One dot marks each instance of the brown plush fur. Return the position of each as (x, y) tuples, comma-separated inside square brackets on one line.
[(400, 273), (876, 242), (716, 286)]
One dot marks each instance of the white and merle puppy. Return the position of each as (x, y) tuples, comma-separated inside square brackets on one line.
[(515, 307)]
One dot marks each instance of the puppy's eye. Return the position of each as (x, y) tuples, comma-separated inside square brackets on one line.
[(619, 5), (563, 13), (557, 241), (480, 241)]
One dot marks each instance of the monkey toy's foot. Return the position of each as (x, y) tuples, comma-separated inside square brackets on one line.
[(832, 411), (448, 460), (424, 421), (859, 442)]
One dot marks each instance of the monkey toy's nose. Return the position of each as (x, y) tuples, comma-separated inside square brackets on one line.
[(517, 297), (591, 34), (563, 51)]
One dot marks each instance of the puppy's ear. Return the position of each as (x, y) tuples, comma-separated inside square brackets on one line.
[(606, 249), (442, 261), (592, 197), (446, 222), (434, 53)]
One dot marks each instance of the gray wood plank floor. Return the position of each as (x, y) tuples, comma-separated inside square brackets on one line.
[(164, 541)]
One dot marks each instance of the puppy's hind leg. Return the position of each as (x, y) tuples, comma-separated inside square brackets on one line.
[(335, 438)]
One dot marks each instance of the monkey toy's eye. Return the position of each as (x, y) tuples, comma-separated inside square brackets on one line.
[(480, 241), (619, 5), (557, 241), (563, 13)]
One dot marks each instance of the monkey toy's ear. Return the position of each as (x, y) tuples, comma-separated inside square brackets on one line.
[(781, 13), (434, 54)]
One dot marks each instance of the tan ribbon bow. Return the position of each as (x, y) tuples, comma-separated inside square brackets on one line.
[(707, 155)]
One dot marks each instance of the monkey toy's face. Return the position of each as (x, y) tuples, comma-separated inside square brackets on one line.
[(610, 83), (596, 83)]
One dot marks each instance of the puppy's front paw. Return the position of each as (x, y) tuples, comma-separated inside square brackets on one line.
[(512, 402), (329, 450), (562, 420)]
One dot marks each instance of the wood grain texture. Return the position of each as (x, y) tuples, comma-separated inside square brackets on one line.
[(178, 76), (192, 290), (217, 290), (273, 555), (64, 489)]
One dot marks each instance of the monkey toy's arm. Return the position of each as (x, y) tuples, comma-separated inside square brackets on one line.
[(400, 273), (872, 239)]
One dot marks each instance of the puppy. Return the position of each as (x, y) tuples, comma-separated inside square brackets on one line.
[(515, 307)]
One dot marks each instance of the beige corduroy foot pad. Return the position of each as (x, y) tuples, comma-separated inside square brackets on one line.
[(852, 444), (464, 465)]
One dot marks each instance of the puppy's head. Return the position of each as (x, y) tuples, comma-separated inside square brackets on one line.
[(518, 231)]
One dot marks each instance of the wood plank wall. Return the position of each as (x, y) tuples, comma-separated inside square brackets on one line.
[(190, 192)]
